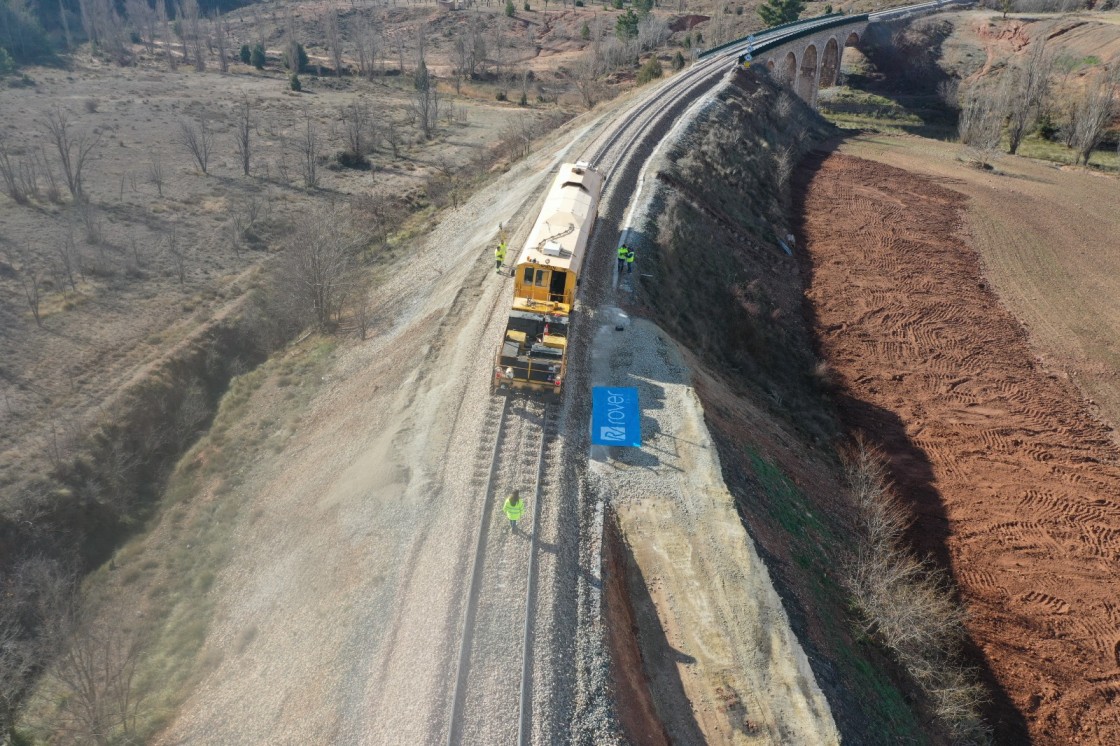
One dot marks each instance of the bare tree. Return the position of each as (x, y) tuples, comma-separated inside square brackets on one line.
[(498, 46), (18, 659), (316, 264), (1095, 110), (31, 280), (784, 161), (290, 43), (155, 173), (68, 256), (516, 138), (143, 19), (165, 33), (220, 34), (586, 78), (334, 39), (524, 78), (1031, 83), (308, 146), (393, 135), (197, 140), (75, 149), (367, 44), (178, 252), (191, 17), (469, 50), (356, 127), (243, 130), (96, 677), (426, 107), (9, 171), (981, 120)]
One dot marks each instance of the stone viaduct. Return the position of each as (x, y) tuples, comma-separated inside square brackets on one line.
[(811, 61)]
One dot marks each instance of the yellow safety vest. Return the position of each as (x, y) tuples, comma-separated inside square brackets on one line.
[(622, 252), (500, 252), (513, 512), (629, 256)]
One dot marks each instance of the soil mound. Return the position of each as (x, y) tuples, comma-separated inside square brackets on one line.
[(1015, 486)]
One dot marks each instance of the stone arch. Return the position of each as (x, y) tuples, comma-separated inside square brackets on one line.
[(807, 75), (852, 40), (830, 64), (770, 65), (789, 69)]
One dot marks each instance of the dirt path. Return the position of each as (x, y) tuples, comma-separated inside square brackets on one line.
[(1015, 485), (724, 665)]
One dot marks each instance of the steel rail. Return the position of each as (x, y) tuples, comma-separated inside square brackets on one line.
[(523, 725), (458, 696)]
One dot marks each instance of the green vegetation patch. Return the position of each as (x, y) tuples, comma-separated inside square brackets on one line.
[(816, 542)]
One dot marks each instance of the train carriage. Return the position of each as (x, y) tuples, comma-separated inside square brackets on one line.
[(533, 354)]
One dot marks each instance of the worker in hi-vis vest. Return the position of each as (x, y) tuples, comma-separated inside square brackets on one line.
[(513, 508), (623, 252), (500, 256), (629, 260)]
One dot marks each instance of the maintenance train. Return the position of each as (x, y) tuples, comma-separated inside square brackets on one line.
[(534, 350)]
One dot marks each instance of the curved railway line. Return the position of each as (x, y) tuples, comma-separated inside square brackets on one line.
[(495, 661)]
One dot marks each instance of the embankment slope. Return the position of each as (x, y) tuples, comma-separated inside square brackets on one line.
[(739, 455)]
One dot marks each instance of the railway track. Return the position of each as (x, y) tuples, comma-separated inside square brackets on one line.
[(497, 630), (495, 649), (517, 451)]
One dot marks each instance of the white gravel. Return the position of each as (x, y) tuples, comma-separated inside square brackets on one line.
[(735, 655)]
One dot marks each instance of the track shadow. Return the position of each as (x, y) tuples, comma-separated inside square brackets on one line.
[(910, 470)]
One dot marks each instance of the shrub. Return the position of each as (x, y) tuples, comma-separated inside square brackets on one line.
[(907, 604), (7, 64), (652, 69), (527, 8), (301, 60), (523, 101), (501, 95), (678, 61), (293, 81), (616, 4), (775, 12), (245, 54), (510, 10), (1047, 128), (626, 27), (257, 58), (584, 30), (579, 3)]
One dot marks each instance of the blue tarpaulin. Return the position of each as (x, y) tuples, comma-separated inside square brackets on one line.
[(615, 416)]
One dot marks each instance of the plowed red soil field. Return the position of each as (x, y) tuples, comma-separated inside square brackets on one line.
[(1015, 485)]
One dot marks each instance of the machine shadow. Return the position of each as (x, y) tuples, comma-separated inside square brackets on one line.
[(908, 467)]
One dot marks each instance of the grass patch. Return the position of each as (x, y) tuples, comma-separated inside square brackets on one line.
[(855, 108), (1047, 150)]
